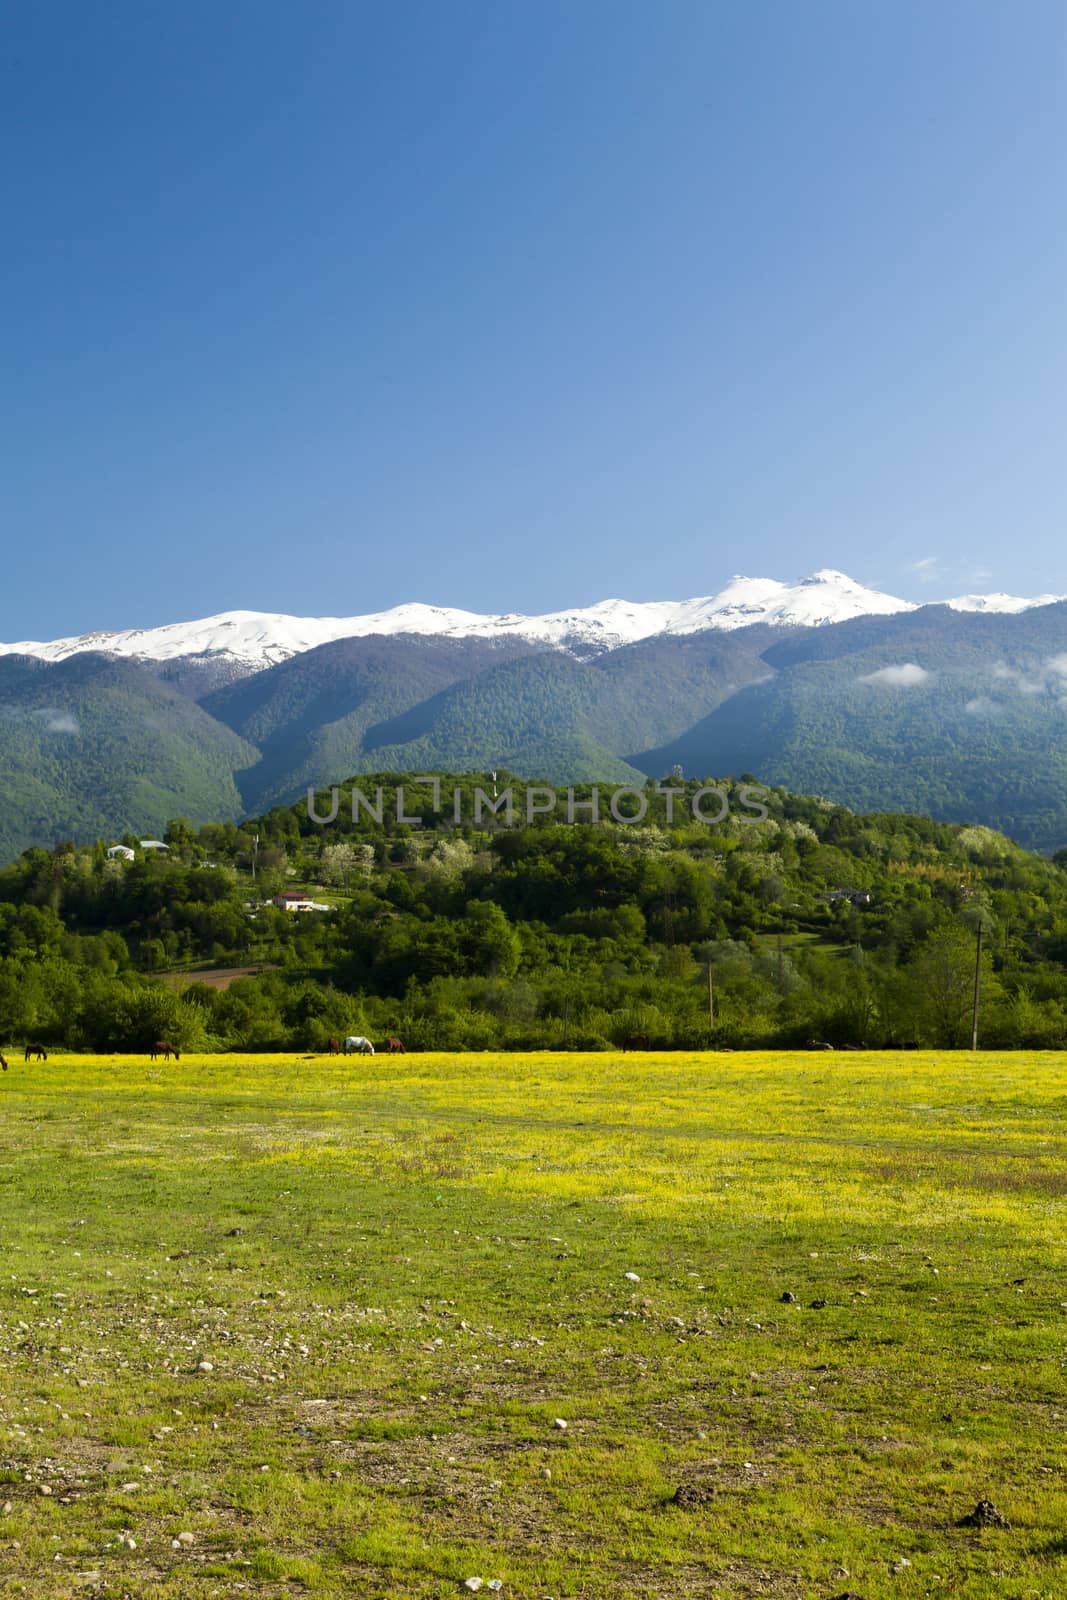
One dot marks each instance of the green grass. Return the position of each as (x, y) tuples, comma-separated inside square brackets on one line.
[(431, 1268)]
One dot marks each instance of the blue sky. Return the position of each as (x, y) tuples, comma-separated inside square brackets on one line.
[(516, 305)]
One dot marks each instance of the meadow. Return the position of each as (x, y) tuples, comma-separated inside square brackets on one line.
[(597, 1326)]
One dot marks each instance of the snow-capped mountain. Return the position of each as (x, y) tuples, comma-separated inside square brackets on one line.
[(1011, 603), (826, 596), (248, 641)]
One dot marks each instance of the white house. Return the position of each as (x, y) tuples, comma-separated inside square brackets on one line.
[(121, 852), (292, 901), (154, 844)]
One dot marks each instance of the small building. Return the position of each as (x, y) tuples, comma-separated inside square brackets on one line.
[(120, 852), (855, 897), (154, 844), (291, 900)]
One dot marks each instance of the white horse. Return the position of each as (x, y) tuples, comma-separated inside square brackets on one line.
[(358, 1045)]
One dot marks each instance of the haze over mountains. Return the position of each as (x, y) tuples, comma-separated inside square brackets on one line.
[(958, 709)]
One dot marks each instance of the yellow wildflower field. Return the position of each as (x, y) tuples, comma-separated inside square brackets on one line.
[(592, 1325)]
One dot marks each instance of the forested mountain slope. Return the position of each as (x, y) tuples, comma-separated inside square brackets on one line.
[(954, 713)]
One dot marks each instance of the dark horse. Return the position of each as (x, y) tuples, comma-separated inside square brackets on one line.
[(635, 1041), (334, 1046), (395, 1047), (3, 1063), (163, 1048), (35, 1052)]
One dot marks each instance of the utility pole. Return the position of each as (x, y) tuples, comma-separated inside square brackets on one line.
[(255, 853), (711, 999), (567, 997), (977, 989)]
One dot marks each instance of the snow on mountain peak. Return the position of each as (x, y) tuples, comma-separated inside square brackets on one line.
[(1002, 602), (825, 596), (248, 641)]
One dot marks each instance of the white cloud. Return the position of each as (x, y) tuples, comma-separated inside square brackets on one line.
[(908, 675), (50, 718), (928, 570), (982, 706), (1043, 677), (59, 722)]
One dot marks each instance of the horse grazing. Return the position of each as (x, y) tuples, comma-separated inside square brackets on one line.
[(818, 1044), (356, 1044), (395, 1047), (635, 1041), (164, 1048), (3, 1064), (35, 1052), (334, 1046)]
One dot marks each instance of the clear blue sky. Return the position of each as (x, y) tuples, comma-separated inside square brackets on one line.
[(521, 303)]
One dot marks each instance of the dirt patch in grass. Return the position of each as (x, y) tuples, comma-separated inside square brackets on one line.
[(212, 977)]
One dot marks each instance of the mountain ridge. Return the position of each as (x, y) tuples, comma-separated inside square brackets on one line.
[(245, 642), (958, 712)]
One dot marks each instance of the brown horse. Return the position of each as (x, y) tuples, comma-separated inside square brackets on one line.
[(635, 1041), (35, 1052), (395, 1047), (164, 1048), (334, 1046), (3, 1063)]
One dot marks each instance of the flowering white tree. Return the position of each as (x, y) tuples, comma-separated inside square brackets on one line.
[(342, 863)]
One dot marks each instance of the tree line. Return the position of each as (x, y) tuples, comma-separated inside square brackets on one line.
[(753, 932)]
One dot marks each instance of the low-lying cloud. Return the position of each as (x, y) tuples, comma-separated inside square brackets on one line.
[(983, 706), (59, 722), (907, 675), (1045, 677), (1041, 680), (49, 719)]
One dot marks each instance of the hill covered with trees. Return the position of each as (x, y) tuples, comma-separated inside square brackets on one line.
[(956, 715), (465, 932)]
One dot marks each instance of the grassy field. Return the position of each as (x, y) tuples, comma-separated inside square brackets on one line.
[(290, 1326)]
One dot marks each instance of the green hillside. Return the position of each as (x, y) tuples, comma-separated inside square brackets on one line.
[(314, 717), (957, 715), (961, 718), (485, 933), (97, 746)]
